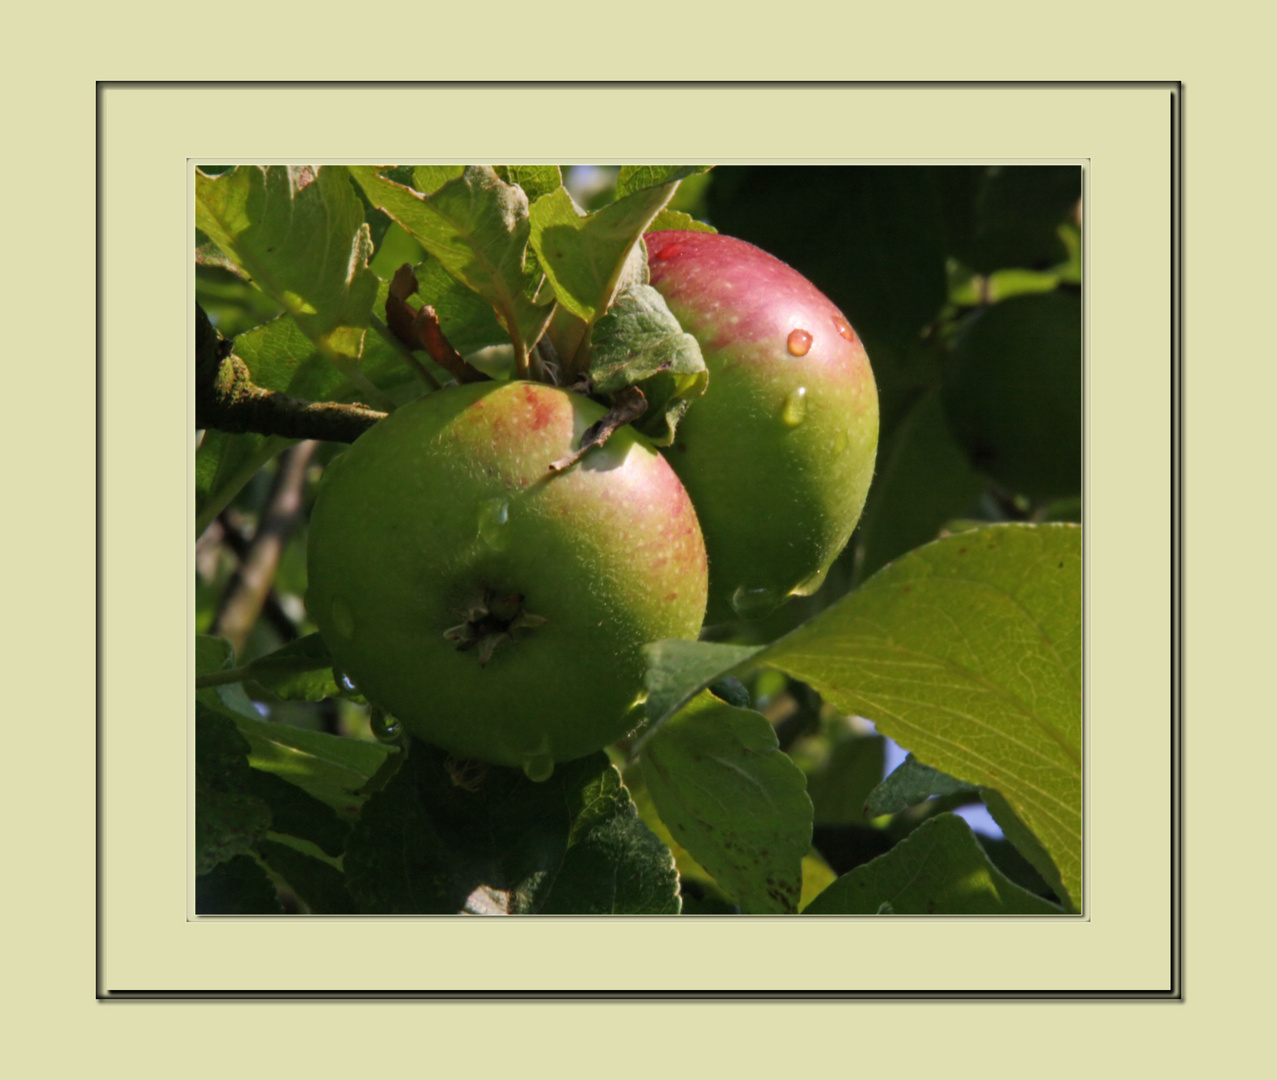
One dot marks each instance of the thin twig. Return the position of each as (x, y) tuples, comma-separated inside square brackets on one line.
[(248, 586)]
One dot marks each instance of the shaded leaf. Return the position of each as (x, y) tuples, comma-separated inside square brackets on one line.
[(229, 817), (238, 887), (939, 869), (332, 768), (909, 784), (499, 843), (296, 812), (678, 670), (968, 652), (319, 885), (720, 782), (302, 670), (335, 770)]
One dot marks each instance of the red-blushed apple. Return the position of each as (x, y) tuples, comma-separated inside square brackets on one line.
[(779, 452), (499, 609)]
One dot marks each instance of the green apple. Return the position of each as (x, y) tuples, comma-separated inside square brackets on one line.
[(494, 606), (779, 452)]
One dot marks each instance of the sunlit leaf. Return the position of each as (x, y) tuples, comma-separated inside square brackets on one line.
[(968, 652), (939, 869)]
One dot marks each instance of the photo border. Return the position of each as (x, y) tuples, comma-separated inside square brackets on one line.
[(479, 942)]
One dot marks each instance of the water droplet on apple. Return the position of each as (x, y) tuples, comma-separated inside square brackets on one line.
[(841, 442), (343, 620), (794, 411), (806, 588), (844, 329), (385, 728), (538, 767), (798, 343), (750, 602), (345, 682), (494, 514)]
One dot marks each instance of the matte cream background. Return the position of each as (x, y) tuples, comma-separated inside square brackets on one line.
[(145, 442)]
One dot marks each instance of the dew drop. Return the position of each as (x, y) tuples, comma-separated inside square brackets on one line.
[(798, 342), (385, 728), (841, 443), (538, 767), (750, 602), (806, 588), (494, 514), (343, 620), (346, 683), (794, 411), (844, 328)]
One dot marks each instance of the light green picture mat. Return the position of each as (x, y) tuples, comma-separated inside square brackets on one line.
[(1128, 928)]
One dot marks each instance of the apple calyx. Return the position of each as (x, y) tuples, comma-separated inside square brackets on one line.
[(490, 619)]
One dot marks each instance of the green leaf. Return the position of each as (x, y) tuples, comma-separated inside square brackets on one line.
[(614, 864), (908, 785), (302, 670), (300, 234), (467, 320), (639, 337), (296, 812), (332, 768), (430, 178), (229, 818), (968, 652), (536, 180), (939, 869), (238, 887), (213, 654), (678, 670), (440, 839), (676, 219), (477, 227), (632, 178), (585, 255), (721, 784), (1028, 845), (319, 885), (638, 342)]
